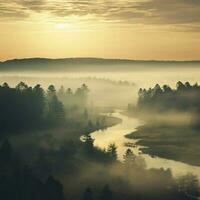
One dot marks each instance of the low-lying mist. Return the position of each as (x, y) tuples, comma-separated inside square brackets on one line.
[(104, 92), (63, 114), (109, 87)]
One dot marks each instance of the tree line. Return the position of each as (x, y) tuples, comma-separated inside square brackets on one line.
[(19, 181), (77, 98), (25, 107), (185, 97)]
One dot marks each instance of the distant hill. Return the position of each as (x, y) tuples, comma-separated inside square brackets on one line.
[(85, 64)]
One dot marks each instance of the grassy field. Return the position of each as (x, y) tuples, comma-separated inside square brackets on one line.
[(181, 143)]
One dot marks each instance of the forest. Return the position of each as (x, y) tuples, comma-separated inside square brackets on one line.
[(99, 100), (42, 156), (171, 116), (184, 98)]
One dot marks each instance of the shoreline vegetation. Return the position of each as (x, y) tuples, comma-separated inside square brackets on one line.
[(169, 142), (47, 160), (59, 134), (172, 122)]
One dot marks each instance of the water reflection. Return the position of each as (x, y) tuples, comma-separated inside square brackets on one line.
[(116, 135)]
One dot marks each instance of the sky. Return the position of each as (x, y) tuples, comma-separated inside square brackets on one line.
[(133, 29)]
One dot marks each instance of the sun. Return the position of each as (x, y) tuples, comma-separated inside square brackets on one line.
[(60, 26)]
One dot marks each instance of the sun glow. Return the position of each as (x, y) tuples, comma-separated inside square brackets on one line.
[(60, 26)]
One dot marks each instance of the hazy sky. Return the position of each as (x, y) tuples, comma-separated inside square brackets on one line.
[(137, 29)]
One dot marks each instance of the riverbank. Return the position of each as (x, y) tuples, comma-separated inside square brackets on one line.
[(180, 143), (46, 138)]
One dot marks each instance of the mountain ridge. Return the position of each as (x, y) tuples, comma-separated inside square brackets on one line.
[(88, 64), (92, 59)]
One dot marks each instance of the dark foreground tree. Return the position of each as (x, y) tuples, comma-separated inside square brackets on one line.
[(112, 152), (18, 182), (129, 158), (106, 193), (54, 189), (88, 194)]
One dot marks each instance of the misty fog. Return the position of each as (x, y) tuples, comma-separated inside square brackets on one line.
[(120, 86), (105, 129)]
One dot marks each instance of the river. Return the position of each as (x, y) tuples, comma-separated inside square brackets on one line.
[(116, 134)]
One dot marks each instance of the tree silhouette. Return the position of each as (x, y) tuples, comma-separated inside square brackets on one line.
[(106, 193), (129, 158), (88, 143), (5, 152), (88, 194), (56, 113), (54, 189), (22, 86), (112, 152), (189, 185), (184, 98)]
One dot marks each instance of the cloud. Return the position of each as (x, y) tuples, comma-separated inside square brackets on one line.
[(9, 12), (171, 11), (183, 13), (34, 5), (20, 9)]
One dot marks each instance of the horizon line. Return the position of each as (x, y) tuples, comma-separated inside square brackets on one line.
[(100, 58)]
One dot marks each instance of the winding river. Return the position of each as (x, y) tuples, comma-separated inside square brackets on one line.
[(116, 134)]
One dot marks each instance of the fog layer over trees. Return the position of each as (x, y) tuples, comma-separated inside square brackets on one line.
[(47, 152), (172, 119)]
